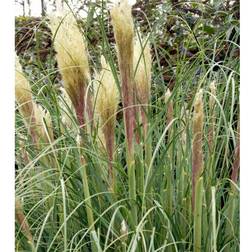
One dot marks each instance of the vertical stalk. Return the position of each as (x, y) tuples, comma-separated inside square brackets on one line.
[(211, 137), (87, 194), (140, 169), (213, 213), (230, 215), (87, 198), (169, 170), (198, 215), (148, 150), (232, 202), (64, 213), (197, 153)]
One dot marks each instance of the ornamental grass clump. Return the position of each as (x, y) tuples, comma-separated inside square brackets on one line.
[(153, 172), (107, 99), (72, 59)]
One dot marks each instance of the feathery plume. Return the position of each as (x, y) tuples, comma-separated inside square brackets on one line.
[(24, 99), (124, 32), (197, 154), (107, 99), (142, 68), (23, 93), (123, 27), (73, 63)]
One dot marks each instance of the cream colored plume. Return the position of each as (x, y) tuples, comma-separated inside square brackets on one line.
[(107, 99), (107, 96), (72, 60), (33, 114), (124, 33), (197, 151), (23, 92), (123, 24), (142, 68)]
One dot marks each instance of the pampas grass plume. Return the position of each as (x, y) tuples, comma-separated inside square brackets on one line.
[(73, 62), (142, 68), (107, 99), (23, 93), (123, 27), (124, 32), (197, 154), (107, 96)]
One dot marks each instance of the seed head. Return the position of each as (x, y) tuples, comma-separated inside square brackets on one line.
[(123, 27), (197, 154), (23, 92), (107, 97), (72, 60), (124, 32), (142, 68)]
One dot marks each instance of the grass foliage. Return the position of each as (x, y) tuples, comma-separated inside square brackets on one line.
[(64, 200)]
